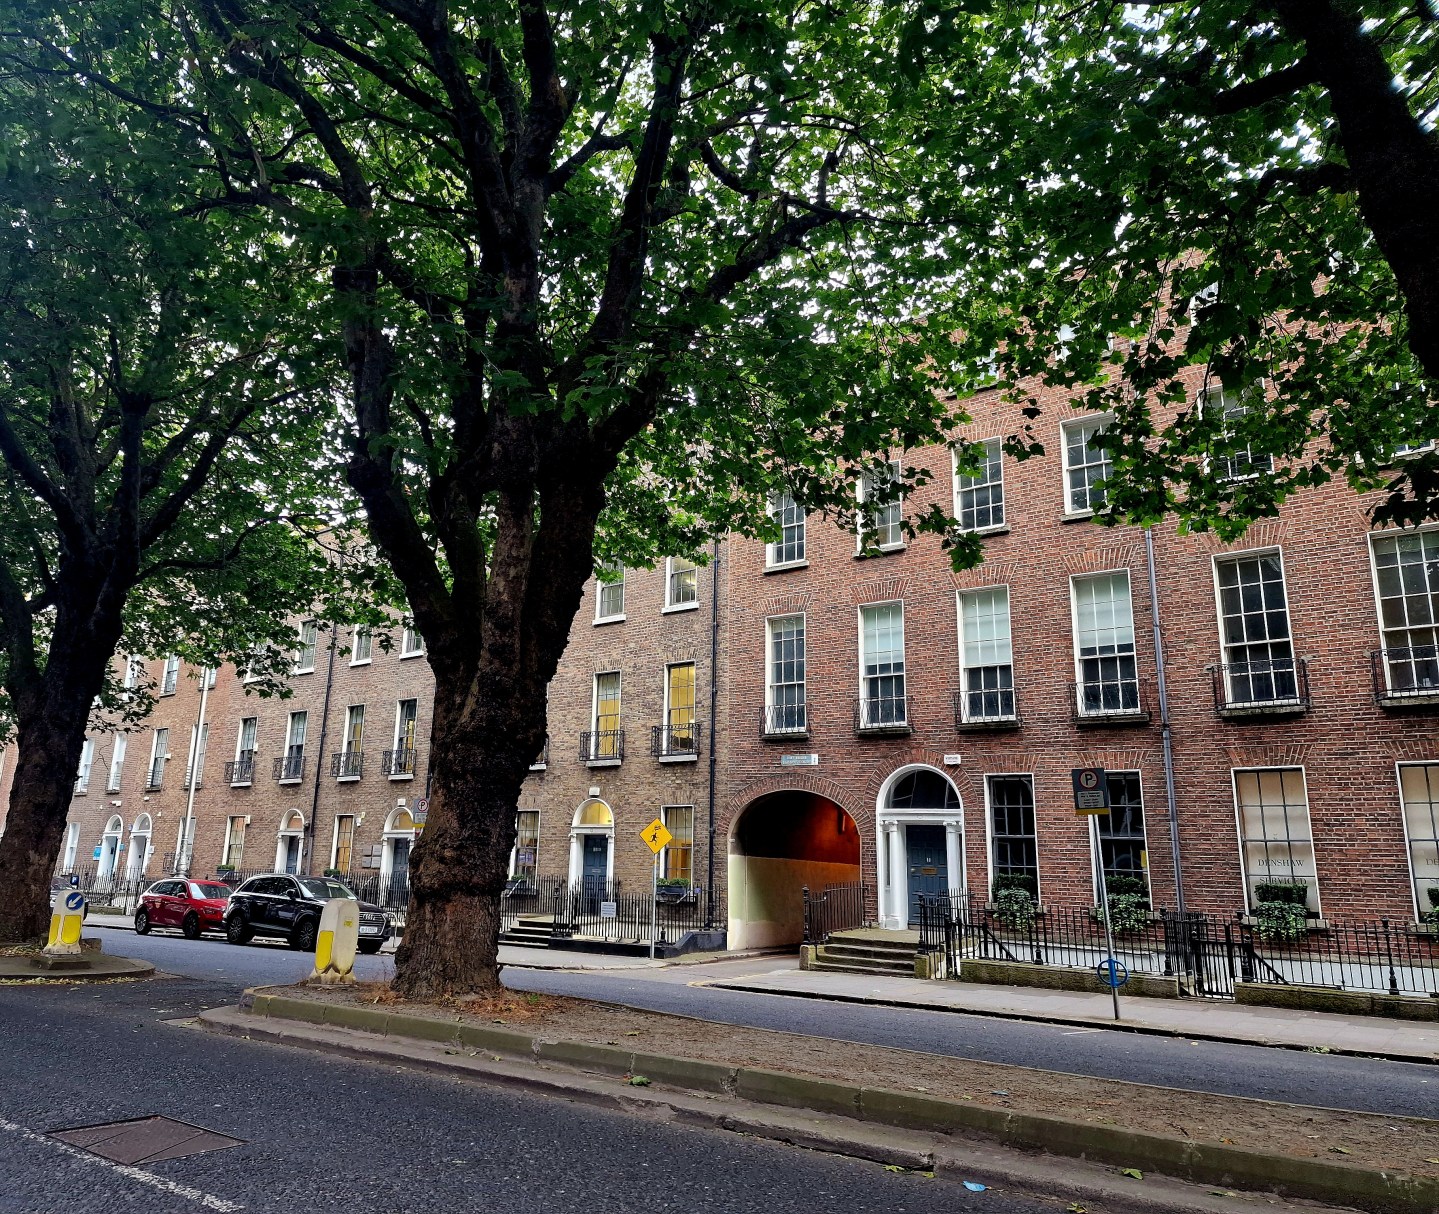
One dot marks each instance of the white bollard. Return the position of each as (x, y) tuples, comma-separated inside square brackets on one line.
[(338, 939)]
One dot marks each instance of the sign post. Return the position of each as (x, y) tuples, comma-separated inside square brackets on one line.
[(656, 835), (1091, 800)]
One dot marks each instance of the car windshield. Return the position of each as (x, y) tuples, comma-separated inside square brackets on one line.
[(209, 889), (325, 889)]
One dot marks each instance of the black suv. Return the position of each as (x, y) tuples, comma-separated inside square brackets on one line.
[(280, 905)]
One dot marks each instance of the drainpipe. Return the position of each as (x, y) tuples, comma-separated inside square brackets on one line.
[(197, 755), (308, 859), (1166, 732), (714, 712)]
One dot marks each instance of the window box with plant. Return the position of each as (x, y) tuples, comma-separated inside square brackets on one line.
[(674, 890), (1015, 900)]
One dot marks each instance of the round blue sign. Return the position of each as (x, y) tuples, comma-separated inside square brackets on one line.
[(74, 900), (1112, 972)]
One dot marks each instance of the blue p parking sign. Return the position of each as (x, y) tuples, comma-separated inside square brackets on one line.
[(1112, 973)]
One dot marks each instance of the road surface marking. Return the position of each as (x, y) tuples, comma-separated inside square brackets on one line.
[(1078, 1032), (208, 1200)]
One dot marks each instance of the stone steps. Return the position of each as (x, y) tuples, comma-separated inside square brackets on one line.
[(866, 953)]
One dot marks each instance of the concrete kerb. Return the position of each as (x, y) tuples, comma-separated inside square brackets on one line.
[(1368, 1189)]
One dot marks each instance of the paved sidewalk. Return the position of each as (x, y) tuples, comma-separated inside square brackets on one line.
[(1202, 1019)]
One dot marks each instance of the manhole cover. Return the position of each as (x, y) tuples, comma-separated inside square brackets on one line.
[(145, 1140)]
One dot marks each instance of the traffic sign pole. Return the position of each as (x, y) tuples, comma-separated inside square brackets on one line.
[(655, 835), (1108, 917), (654, 898)]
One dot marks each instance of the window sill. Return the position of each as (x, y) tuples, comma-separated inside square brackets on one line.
[(240, 783), (539, 767), (677, 607), (417, 653), (685, 758), (888, 729), (603, 762), (786, 567), (1266, 711), (307, 670), (987, 725), (362, 662), (879, 550), (1078, 516), (1409, 701), (785, 735), (610, 619), (1111, 720), (81, 792), (294, 781), (986, 532), (402, 775), (346, 779)]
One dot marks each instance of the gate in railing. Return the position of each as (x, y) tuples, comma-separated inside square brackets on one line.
[(836, 908)]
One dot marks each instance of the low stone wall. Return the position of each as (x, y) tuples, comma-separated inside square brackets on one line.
[(1063, 978), (1327, 999)]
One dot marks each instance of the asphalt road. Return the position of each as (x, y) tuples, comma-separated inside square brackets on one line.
[(1368, 1085), (322, 1134)]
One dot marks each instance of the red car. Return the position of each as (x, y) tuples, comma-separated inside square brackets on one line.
[(192, 906)]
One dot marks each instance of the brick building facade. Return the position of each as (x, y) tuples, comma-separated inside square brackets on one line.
[(835, 715)]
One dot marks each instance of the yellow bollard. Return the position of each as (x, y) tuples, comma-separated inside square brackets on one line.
[(67, 920), (338, 939)]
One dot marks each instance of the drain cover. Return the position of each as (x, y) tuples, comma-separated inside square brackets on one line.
[(145, 1140)]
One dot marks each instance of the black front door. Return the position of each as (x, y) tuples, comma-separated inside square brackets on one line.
[(928, 865)]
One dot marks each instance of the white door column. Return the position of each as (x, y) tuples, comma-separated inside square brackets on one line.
[(954, 853)]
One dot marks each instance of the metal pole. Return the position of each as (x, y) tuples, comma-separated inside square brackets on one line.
[(1108, 918), (197, 756), (1165, 732), (654, 893), (307, 859), (714, 714)]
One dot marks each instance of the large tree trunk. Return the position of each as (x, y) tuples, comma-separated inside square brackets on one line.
[(49, 756)]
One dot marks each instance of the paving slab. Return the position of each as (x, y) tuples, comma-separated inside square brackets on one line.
[(1198, 1019)]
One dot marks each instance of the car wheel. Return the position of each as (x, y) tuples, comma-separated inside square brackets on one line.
[(142, 922), (370, 947), (302, 939), (190, 925), (236, 930)]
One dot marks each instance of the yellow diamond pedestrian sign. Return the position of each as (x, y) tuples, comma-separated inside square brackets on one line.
[(656, 835)]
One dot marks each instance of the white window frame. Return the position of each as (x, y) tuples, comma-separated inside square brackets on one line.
[(1420, 692), (1095, 847), (594, 757), (1211, 396), (774, 558), (670, 571), (990, 871), (1100, 422), (335, 841), (360, 633), (770, 703), (1079, 680), (290, 744), (230, 820), (965, 667), (1225, 647), (117, 762), (134, 667), (665, 811), (515, 850), (170, 679), (864, 700), (157, 759), (867, 518), (309, 635), (1234, 773), (412, 644), (1420, 905), (396, 748), (82, 773), (959, 487), (195, 760), (72, 847), (613, 617)]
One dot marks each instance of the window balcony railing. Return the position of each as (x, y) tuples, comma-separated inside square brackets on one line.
[(1106, 701), (542, 760), (986, 709), (347, 764), (602, 747), (1406, 678), (398, 763), (155, 777), (1264, 688), (290, 769), (240, 773), (882, 714), (783, 721), (675, 741)]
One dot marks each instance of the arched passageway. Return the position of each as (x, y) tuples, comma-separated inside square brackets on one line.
[(781, 843)]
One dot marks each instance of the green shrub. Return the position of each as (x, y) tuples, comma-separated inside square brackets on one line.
[(1123, 883), (1014, 906), (1020, 881), (1280, 920), (1432, 914), (1294, 892), (1433, 893), (336, 873), (673, 883), (1128, 913)]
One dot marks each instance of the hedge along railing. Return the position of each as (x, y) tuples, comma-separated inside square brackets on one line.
[(1376, 956), (836, 908)]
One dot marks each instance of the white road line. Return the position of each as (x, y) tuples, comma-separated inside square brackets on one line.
[(1078, 1032), (208, 1200)]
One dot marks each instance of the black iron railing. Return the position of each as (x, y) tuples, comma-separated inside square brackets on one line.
[(347, 764), (675, 741), (606, 911), (785, 721), (527, 896), (289, 767), (240, 771), (1261, 688), (986, 708), (880, 714), (155, 776), (1377, 956), (398, 762), (836, 908), (1120, 699), (602, 746), (1406, 676)]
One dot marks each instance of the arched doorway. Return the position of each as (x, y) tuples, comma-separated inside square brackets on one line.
[(290, 842), (920, 842), (139, 848), (592, 846), (398, 839), (109, 849), (781, 843)]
